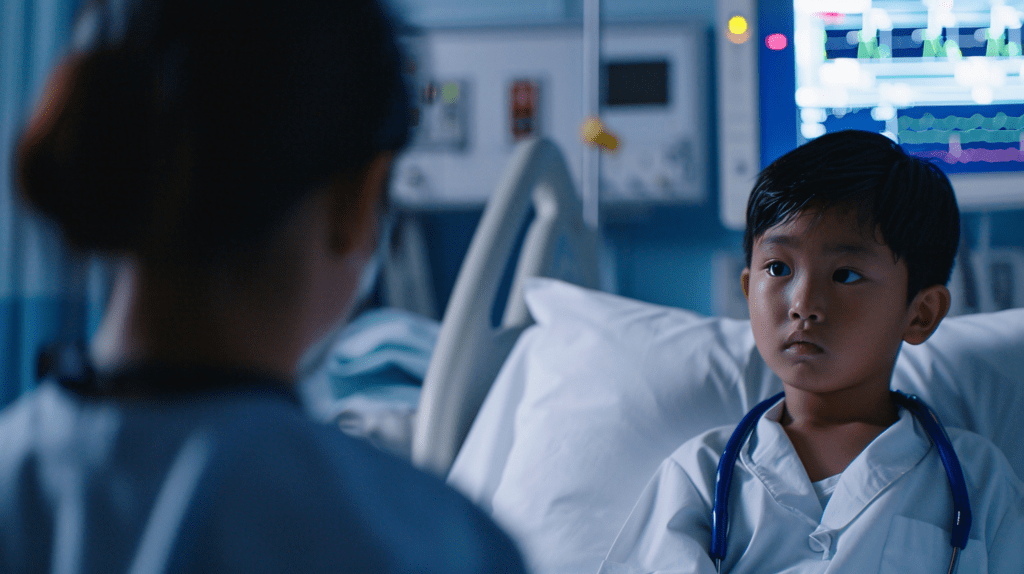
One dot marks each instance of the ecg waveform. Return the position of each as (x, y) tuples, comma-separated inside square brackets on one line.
[(954, 132), (966, 136), (976, 155), (977, 121)]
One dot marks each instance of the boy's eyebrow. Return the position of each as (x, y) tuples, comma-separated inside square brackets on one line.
[(848, 248), (835, 248), (780, 240)]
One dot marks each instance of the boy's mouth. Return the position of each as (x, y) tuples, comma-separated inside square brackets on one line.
[(800, 344), (802, 348)]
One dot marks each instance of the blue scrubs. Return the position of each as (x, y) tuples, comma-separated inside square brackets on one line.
[(236, 479)]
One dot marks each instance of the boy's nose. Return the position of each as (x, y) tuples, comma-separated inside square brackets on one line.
[(798, 315), (805, 303)]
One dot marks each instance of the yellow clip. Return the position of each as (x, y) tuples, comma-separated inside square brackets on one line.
[(592, 132)]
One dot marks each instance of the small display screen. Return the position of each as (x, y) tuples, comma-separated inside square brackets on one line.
[(636, 83)]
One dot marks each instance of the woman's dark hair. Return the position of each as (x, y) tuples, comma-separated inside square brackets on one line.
[(907, 199), (186, 129)]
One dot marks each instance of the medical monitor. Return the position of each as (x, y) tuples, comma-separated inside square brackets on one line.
[(941, 77)]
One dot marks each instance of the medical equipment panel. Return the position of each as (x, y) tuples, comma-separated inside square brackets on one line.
[(441, 113), (489, 88), (739, 134), (942, 78)]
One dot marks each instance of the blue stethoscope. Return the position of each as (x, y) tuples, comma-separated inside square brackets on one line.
[(927, 418)]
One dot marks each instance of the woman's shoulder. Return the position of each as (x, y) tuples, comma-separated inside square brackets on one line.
[(339, 481), (268, 482)]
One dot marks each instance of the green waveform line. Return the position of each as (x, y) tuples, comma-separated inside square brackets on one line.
[(966, 136), (929, 122)]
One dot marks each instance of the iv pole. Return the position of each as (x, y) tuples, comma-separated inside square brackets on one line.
[(591, 109)]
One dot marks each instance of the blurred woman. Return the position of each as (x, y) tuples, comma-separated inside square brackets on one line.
[(234, 156)]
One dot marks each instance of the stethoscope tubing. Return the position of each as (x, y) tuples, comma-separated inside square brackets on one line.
[(723, 478), (962, 517)]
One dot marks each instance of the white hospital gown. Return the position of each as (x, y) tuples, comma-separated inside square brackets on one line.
[(890, 512)]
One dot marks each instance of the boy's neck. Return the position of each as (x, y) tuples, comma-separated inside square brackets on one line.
[(829, 430), (864, 405)]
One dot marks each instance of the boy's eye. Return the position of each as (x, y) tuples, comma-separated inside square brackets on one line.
[(846, 276), (778, 269)]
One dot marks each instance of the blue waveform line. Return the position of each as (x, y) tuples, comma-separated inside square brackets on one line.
[(975, 155), (939, 136)]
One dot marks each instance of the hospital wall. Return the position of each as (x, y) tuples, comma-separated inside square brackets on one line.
[(676, 255)]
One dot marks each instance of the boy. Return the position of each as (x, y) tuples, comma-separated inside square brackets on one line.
[(849, 245)]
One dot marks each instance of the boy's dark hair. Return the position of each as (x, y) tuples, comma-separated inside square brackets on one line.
[(909, 200)]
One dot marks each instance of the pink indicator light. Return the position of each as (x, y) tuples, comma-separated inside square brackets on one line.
[(835, 17), (776, 42)]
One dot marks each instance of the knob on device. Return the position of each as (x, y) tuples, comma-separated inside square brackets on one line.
[(594, 133)]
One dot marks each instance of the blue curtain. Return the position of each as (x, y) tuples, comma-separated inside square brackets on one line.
[(46, 292)]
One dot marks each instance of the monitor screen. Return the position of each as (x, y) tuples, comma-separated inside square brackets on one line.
[(941, 77), (636, 83)]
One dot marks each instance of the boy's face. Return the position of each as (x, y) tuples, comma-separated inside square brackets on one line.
[(828, 304)]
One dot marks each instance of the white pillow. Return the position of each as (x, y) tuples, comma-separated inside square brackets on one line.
[(597, 393)]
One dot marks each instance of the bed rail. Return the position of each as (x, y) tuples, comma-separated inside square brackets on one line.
[(470, 350)]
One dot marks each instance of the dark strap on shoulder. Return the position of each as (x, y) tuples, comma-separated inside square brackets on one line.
[(68, 365)]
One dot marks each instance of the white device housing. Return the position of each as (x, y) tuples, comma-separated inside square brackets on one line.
[(459, 153)]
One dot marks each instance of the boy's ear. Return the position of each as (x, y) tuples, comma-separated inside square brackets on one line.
[(745, 282), (927, 310)]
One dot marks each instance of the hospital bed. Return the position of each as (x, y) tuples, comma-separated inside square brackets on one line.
[(555, 417)]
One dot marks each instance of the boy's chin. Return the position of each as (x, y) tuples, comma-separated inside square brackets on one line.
[(803, 370), (810, 381)]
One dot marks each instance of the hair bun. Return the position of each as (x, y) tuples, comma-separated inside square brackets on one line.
[(84, 157), (188, 130)]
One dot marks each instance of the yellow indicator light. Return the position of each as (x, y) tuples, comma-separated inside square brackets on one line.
[(737, 29), (737, 25)]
